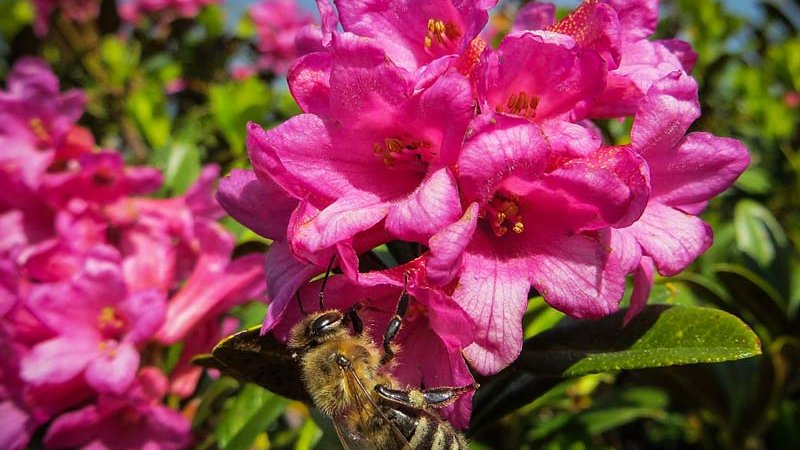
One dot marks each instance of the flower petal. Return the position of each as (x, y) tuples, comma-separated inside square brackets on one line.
[(671, 237), (701, 167), (114, 371), (258, 204), (57, 360), (642, 283), (445, 258), (309, 82), (435, 204), (495, 296), (74, 429), (578, 274)]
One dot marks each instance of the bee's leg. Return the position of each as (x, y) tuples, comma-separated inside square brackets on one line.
[(394, 323), (351, 316), (415, 398)]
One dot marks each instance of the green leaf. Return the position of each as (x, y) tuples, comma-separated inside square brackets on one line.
[(252, 411), (233, 104), (660, 336), (758, 233)]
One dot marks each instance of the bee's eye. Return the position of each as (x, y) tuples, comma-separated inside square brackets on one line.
[(325, 323)]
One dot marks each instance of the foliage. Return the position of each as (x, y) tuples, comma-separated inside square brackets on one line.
[(177, 94)]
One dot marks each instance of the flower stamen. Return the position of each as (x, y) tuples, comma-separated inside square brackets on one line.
[(393, 149), (522, 104), (503, 212), (444, 34)]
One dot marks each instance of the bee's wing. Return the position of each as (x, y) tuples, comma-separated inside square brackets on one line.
[(365, 406), (263, 360)]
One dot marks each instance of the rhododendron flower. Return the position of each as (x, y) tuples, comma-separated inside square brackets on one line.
[(539, 210), (35, 119), (132, 10), (433, 332), (362, 156), (277, 23), (97, 323), (685, 172), (415, 33), (77, 10), (125, 421), (565, 78)]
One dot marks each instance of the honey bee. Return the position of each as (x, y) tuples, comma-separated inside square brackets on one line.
[(342, 373)]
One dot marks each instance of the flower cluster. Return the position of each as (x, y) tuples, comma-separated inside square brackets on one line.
[(132, 10), (413, 129), (283, 30), (96, 278)]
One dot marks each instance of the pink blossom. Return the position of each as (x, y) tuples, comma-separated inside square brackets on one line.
[(35, 119), (132, 10), (76, 10), (131, 420), (541, 198), (685, 172), (433, 332), (277, 23), (362, 156), (567, 76), (414, 33), (97, 323)]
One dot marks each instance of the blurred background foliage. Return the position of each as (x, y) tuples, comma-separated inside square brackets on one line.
[(177, 94)]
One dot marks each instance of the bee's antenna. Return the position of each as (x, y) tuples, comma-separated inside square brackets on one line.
[(325, 282), (297, 295)]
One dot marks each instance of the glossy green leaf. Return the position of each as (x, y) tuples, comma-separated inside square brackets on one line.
[(660, 336)]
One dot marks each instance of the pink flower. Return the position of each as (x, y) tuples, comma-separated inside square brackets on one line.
[(131, 420), (433, 332), (35, 119), (97, 323), (566, 76), (415, 33), (363, 156), (540, 200), (77, 10), (685, 172), (277, 23), (132, 10)]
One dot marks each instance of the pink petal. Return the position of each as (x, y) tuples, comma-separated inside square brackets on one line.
[(637, 18), (74, 429), (665, 114), (594, 25), (169, 428), (671, 237), (114, 371), (701, 167), (341, 220), (285, 275), (577, 275), (200, 195), (499, 147), (57, 360), (495, 295), (434, 205), (15, 428), (565, 74), (445, 259), (534, 16), (259, 205), (359, 62), (144, 311), (149, 258), (309, 82), (642, 283)]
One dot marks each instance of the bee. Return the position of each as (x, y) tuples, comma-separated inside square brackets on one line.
[(343, 374)]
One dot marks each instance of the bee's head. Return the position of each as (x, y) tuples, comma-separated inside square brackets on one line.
[(317, 328)]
